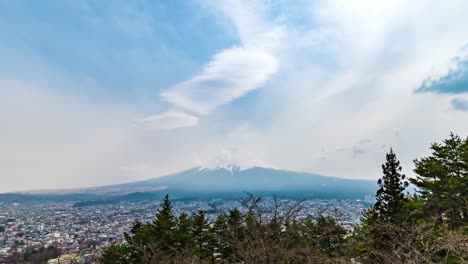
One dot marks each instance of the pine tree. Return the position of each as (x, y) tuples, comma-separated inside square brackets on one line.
[(324, 234), (117, 254), (235, 224), (375, 236), (164, 227), (221, 232), (141, 235), (165, 216), (184, 238), (203, 235), (442, 180), (390, 195)]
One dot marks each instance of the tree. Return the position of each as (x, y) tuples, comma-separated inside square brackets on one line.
[(116, 254), (221, 232), (390, 195), (203, 235), (184, 239), (328, 235), (374, 238), (442, 181), (235, 223), (147, 242), (164, 226)]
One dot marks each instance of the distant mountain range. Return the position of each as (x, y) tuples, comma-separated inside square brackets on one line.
[(201, 183)]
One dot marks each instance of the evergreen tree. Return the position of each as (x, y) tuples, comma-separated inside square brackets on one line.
[(293, 232), (117, 254), (390, 195), (203, 235), (237, 231), (374, 237), (221, 232), (165, 219), (184, 239), (330, 235), (236, 225), (138, 241), (442, 180), (163, 228)]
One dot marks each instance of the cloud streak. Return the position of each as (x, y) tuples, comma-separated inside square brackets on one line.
[(231, 74), (169, 120)]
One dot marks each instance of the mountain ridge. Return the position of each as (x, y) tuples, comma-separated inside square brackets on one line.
[(201, 181)]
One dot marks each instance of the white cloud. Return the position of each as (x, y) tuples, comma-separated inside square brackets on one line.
[(228, 157), (169, 120), (349, 71), (231, 74), (342, 73), (250, 22)]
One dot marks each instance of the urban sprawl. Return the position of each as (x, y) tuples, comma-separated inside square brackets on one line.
[(85, 230)]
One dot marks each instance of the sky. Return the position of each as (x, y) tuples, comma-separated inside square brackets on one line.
[(101, 92)]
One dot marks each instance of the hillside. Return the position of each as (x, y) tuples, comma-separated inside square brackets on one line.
[(214, 183)]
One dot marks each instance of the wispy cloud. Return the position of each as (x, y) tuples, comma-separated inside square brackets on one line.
[(236, 71), (169, 120), (325, 74), (231, 74)]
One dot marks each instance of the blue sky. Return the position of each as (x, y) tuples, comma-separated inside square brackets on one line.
[(99, 92)]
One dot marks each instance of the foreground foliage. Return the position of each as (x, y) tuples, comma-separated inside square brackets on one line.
[(428, 227)]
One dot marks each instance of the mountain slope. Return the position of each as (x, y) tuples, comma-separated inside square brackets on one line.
[(252, 179), (219, 182)]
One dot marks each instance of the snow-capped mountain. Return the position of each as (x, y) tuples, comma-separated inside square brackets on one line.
[(234, 179), (230, 180)]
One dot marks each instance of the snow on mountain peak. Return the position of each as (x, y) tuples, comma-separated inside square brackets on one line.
[(231, 167), (232, 160)]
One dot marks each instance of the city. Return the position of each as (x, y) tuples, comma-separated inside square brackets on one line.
[(85, 230)]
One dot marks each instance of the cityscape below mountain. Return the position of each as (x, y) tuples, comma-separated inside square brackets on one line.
[(88, 219)]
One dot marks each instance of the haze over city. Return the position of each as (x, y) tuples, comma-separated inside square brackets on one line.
[(106, 92)]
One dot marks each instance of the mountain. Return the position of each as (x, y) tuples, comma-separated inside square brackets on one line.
[(222, 182)]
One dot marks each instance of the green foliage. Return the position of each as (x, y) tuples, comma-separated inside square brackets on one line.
[(164, 227), (389, 208), (203, 235), (327, 234), (412, 211), (390, 195), (442, 180), (185, 241), (400, 229), (117, 254), (229, 231)]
